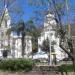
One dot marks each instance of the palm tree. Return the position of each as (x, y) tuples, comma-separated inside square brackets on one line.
[(34, 32), (27, 28), (20, 29)]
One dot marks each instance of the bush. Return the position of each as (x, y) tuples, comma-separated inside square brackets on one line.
[(66, 68), (16, 64)]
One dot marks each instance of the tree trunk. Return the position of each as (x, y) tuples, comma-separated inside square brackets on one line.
[(74, 64), (74, 59), (71, 55), (23, 44)]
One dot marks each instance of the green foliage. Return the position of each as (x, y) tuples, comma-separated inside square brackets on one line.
[(21, 29), (7, 47), (34, 47), (66, 68), (16, 64), (35, 34), (8, 32), (20, 26), (45, 45)]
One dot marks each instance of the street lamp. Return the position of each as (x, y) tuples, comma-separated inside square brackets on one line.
[(50, 60)]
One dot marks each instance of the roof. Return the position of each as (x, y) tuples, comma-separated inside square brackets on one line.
[(40, 55)]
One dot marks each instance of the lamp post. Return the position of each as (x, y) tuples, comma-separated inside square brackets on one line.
[(50, 60)]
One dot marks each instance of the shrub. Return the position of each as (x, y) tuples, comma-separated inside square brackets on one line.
[(66, 68), (16, 64)]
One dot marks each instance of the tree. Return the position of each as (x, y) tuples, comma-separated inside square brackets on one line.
[(63, 36), (20, 29), (45, 45), (24, 29), (68, 38), (35, 33)]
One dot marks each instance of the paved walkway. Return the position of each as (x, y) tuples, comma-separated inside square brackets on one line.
[(32, 73)]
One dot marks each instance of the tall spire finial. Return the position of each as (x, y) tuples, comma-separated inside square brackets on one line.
[(5, 3), (48, 8)]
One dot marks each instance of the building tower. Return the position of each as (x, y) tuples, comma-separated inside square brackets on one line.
[(5, 25)]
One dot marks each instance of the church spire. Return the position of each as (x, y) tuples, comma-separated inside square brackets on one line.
[(5, 7), (5, 3), (48, 8), (48, 11), (6, 13)]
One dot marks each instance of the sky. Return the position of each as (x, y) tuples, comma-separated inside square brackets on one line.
[(28, 11), (71, 13)]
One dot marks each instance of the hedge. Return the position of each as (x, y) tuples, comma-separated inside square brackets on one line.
[(16, 64), (66, 68)]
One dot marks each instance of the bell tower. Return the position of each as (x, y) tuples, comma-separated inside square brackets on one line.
[(6, 18), (49, 20), (5, 25)]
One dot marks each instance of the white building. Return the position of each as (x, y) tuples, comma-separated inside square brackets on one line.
[(50, 33), (10, 45), (28, 47)]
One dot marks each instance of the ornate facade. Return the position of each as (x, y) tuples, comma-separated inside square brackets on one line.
[(49, 32), (10, 44)]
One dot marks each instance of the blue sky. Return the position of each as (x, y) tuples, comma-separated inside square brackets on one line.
[(28, 11)]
